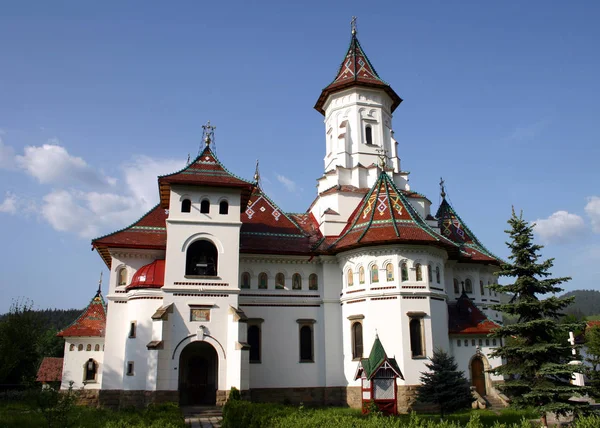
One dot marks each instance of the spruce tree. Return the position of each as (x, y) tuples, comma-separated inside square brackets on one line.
[(592, 345), (444, 385), (535, 350)]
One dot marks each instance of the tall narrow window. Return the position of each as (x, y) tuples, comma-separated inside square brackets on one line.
[(91, 368), (263, 281), (245, 280), (129, 368), (456, 288), (97, 348), (205, 206), (404, 272), (350, 277), (306, 341), (279, 281), (361, 275), (429, 273), (313, 282), (481, 289), (122, 276), (223, 207), (419, 272), (369, 134), (437, 274), (374, 274), (132, 329), (416, 337), (389, 272), (296, 282), (468, 286), (254, 342), (88, 347), (186, 206), (357, 340), (201, 259)]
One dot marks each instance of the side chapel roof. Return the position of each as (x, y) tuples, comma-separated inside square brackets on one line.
[(91, 322), (375, 360), (50, 370), (356, 70), (464, 317), (385, 216), (453, 228)]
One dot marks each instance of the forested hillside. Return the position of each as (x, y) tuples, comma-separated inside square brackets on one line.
[(587, 303), (54, 318)]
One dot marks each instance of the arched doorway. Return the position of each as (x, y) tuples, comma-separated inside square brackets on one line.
[(198, 374), (478, 376)]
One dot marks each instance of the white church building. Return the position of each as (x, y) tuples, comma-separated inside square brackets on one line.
[(218, 287)]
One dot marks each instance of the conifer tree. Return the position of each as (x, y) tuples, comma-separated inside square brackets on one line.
[(592, 344), (535, 350), (444, 385)]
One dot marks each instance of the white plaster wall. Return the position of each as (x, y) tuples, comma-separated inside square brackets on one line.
[(74, 362), (463, 354), (132, 260), (116, 335)]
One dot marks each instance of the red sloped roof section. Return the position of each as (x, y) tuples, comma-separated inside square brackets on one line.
[(91, 323), (151, 275), (50, 370), (466, 318)]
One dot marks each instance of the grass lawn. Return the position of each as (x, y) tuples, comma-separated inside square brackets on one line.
[(24, 415)]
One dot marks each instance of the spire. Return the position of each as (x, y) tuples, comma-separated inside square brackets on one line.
[(257, 175), (442, 188), (99, 292), (356, 70), (208, 136)]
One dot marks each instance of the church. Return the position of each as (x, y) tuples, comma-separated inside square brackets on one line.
[(218, 287)]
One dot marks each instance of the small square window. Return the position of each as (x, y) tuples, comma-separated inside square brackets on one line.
[(200, 314), (459, 342)]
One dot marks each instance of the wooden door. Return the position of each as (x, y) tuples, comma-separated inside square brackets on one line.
[(478, 376)]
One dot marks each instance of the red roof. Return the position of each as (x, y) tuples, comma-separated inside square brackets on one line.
[(151, 275), (50, 370), (92, 321), (466, 318), (148, 232), (356, 70), (205, 170), (384, 217)]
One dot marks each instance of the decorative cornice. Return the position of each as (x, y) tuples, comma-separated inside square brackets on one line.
[(278, 259)]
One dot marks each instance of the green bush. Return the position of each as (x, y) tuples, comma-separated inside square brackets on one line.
[(234, 394)]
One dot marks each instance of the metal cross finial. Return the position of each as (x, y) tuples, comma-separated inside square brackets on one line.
[(256, 174), (99, 285), (382, 158), (353, 25), (442, 188), (208, 133), (188, 161)]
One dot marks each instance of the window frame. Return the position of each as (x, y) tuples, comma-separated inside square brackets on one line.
[(279, 281), (456, 285), (374, 273), (86, 371), (261, 276), (186, 205), (419, 319), (418, 272), (122, 272), (130, 368), (205, 206), (437, 275), (403, 271), (468, 286), (132, 330), (356, 356), (306, 323), (313, 282), (389, 272), (361, 275), (224, 207), (243, 285), (296, 281), (350, 277), (430, 273), (254, 323)]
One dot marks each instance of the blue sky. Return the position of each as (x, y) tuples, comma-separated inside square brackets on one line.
[(500, 98)]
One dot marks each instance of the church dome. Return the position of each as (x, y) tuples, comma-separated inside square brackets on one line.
[(149, 276)]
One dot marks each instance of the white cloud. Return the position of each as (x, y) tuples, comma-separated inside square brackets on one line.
[(9, 205), (528, 132), (559, 227), (52, 164), (7, 156), (592, 209), (289, 184)]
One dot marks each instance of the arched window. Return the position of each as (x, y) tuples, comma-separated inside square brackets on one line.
[(416, 337), (419, 272), (88, 347), (71, 347), (369, 134), (91, 368), (481, 289), (404, 272), (361, 275), (374, 274), (201, 259), (263, 281), (468, 286), (97, 348), (296, 282), (223, 207), (313, 282), (357, 340), (389, 272), (437, 274), (186, 206), (80, 347), (205, 206), (122, 276), (350, 276), (245, 280), (279, 281), (456, 288), (306, 343), (429, 273), (254, 342)]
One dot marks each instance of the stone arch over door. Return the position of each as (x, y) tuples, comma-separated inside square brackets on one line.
[(198, 374), (478, 374)]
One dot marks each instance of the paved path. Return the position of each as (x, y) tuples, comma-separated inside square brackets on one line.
[(202, 416)]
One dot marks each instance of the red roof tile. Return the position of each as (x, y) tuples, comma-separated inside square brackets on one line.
[(151, 275), (205, 170), (466, 318), (50, 370), (92, 321), (356, 70)]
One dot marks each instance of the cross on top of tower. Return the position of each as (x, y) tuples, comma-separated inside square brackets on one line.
[(99, 285), (442, 188), (208, 134), (382, 155), (353, 25), (257, 174)]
